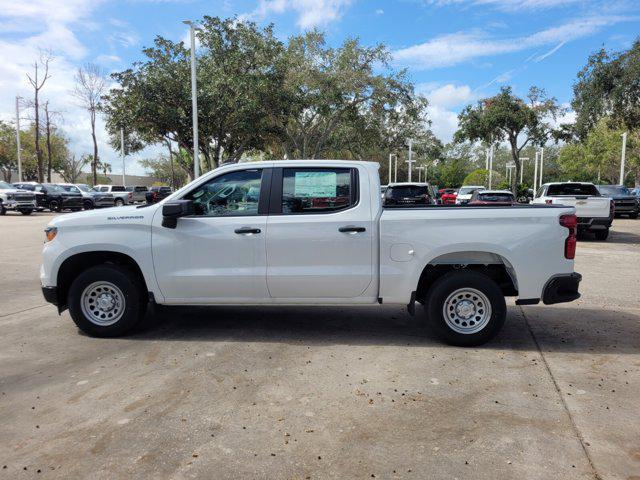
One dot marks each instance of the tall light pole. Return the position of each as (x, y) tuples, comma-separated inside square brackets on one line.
[(122, 153), (393, 155), (410, 161), (18, 138), (535, 172), (194, 99), (624, 154), (522, 159), (541, 163), (491, 151)]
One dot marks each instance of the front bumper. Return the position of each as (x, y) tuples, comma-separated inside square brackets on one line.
[(19, 205), (562, 288), (50, 294)]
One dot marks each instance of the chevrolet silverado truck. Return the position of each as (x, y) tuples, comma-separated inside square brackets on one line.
[(310, 232), (12, 198), (595, 213)]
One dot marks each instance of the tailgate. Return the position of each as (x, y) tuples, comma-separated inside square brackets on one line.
[(589, 207)]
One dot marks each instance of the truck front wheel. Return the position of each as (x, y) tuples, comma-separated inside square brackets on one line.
[(466, 308), (106, 301)]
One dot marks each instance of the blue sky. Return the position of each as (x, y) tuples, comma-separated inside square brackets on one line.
[(456, 51)]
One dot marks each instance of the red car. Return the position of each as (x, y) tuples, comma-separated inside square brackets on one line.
[(497, 198), (448, 196)]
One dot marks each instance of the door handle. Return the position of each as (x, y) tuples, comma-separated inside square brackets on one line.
[(247, 230), (351, 229)]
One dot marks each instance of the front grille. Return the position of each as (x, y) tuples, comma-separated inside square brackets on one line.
[(24, 197)]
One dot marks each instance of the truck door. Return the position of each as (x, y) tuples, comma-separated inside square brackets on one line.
[(319, 234), (218, 254)]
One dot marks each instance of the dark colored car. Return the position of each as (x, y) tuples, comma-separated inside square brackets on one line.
[(626, 203), (492, 197), (53, 197), (155, 194), (408, 194)]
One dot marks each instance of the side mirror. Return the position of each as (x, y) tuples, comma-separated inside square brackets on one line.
[(172, 211)]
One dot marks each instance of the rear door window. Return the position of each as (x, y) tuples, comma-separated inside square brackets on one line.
[(317, 190), (407, 191)]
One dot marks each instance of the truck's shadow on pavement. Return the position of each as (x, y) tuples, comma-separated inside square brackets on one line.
[(627, 238), (555, 328)]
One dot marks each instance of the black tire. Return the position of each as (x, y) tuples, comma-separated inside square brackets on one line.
[(3, 211), (87, 205), (601, 234), (633, 216), (118, 202), (445, 287), (26, 212), (54, 206), (135, 301)]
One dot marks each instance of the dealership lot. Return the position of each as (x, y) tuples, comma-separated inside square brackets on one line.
[(256, 392)]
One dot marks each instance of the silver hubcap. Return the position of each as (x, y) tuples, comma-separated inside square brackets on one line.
[(102, 303), (467, 310)]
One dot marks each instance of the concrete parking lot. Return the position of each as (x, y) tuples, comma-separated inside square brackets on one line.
[(296, 393)]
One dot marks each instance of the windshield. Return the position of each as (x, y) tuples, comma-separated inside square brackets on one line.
[(571, 189), (71, 188), (614, 190), (118, 188), (467, 190), (83, 187), (407, 191), (54, 188), (5, 186)]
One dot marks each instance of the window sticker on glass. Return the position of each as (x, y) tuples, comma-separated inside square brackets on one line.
[(315, 184)]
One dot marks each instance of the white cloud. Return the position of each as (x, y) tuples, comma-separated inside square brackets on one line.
[(459, 47), (311, 13), (379, 11), (510, 5), (448, 95)]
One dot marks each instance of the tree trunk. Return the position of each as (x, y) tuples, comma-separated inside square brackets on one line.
[(48, 133), (37, 138), (94, 166), (173, 175), (515, 155)]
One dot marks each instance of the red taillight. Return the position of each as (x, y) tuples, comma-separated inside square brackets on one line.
[(130, 196), (548, 201), (570, 222)]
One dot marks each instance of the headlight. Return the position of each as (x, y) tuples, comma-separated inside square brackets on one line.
[(50, 233)]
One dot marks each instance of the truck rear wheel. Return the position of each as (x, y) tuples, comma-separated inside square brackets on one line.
[(466, 308), (119, 202), (106, 301)]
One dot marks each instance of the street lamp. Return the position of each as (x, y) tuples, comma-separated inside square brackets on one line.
[(522, 159), (395, 157), (18, 138), (541, 164), (622, 159), (122, 153), (194, 99), (410, 161)]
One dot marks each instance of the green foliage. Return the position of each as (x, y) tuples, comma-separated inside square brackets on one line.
[(506, 117), (608, 86), (167, 174), (480, 176)]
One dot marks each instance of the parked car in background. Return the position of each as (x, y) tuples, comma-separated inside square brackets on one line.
[(19, 200), (465, 192), (53, 197), (383, 189), (408, 193), (90, 198), (492, 197), (155, 194), (120, 194), (139, 193), (595, 213), (448, 196), (626, 202)]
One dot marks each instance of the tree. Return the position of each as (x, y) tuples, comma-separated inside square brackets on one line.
[(480, 176), (597, 158), (71, 168), (239, 92), (8, 152), (608, 86), (509, 118), (160, 168), (37, 82), (89, 89)]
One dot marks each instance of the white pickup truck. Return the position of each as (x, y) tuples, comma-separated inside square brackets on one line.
[(595, 212), (309, 232)]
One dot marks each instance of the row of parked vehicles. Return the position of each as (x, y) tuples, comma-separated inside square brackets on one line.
[(27, 197), (596, 205)]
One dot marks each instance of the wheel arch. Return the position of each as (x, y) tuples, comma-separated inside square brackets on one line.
[(75, 264), (493, 264)]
